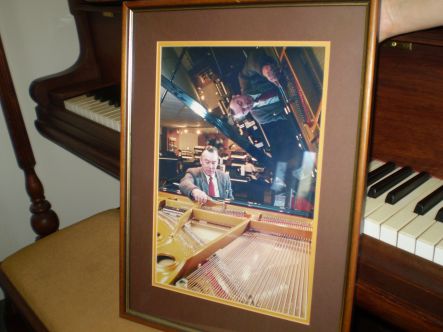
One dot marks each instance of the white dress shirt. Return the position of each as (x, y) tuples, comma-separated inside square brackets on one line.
[(215, 182)]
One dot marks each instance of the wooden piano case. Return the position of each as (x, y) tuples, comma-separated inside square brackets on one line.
[(403, 289)]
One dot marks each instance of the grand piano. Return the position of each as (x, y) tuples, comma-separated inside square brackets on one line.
[(398, 287), (98, 66)]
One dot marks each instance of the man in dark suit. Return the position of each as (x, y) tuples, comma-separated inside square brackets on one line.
[(259, 87), (258, 90), (260, 97), (203, 182)]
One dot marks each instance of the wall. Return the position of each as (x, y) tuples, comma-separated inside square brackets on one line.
[(188, 141), (40, 39)]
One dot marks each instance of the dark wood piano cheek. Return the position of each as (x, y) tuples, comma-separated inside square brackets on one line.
[(399, 287)]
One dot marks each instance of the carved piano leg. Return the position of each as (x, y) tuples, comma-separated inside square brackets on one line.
[(44, 221)]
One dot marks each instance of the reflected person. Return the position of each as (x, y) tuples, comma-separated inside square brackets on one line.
[(201, 183), (260, 98)]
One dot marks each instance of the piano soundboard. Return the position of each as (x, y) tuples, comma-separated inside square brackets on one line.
[(231, 253), (404, 208)]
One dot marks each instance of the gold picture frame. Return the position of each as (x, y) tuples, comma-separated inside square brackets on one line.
[(177, 255)]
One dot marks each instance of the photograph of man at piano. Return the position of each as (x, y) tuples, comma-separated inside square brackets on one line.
[(239, 139)]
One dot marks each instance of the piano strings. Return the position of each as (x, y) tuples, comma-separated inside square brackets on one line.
[(265, 266), (262, 270)]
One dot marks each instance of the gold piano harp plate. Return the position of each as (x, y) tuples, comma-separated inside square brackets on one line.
[(278, 114)]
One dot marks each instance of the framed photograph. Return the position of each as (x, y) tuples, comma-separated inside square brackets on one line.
[(244, 143)]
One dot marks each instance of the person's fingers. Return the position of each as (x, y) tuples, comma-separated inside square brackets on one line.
[(200, 196)]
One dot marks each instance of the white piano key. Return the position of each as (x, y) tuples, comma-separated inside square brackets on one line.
[(372, 228), (104, 112), (375, 163), (94, 113), (116, 125), (374, 220), (71, 104), (390, 228), (83, 109), (407, 237), (78, 100), (438, 254), (113, 121), (100, 106), (428, 240), (88, 100), (114, 115)]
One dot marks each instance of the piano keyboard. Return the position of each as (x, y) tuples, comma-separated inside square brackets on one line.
[(403, 209), (100, 106)]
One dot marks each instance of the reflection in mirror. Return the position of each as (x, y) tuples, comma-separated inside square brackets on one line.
[(259, 108)]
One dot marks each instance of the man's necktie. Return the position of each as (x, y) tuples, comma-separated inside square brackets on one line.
[(211, 187)]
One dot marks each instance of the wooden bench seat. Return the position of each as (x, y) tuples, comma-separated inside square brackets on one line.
[(70, 279)]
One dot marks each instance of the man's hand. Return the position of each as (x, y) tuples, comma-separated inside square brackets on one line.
[(199, 195), (270, 72), (401, 16)]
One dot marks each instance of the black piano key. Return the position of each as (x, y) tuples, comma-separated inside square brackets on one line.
[(406, 188), (439, 216), (109, 94), (388, 182), (115, 96), (104, 94), (379, 172), (429, 201)]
